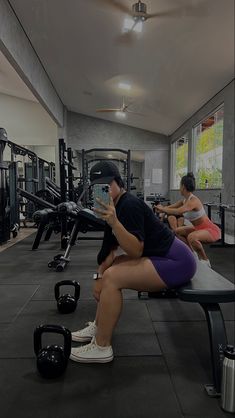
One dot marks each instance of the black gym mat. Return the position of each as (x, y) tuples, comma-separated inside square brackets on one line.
[(161, 346), (188, 378), (13, 300), (185, 347), (174, 310), (132, 337), (129, 387)]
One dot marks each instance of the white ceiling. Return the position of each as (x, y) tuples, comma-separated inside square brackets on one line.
[(174, 67), (10, 83)]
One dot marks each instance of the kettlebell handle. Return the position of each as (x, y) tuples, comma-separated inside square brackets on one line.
[(67, 283), (53, 329)]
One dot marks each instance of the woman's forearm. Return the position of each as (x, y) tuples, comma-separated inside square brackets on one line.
[(127, 241), (172, 211)]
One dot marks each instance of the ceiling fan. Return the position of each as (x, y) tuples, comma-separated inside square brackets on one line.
[(139, 12), (123, 109)]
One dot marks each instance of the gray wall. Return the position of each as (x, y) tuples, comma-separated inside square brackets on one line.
[(87, 132), (225, 96), (15, 45), (156, 160)]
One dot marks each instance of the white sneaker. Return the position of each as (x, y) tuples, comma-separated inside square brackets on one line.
[(206, 262), (92, 353), (86, 334)]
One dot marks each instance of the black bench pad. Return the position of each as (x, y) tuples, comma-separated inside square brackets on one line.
[(207, 286)]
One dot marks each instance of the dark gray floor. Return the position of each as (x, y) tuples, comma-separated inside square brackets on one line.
[(161, 347)]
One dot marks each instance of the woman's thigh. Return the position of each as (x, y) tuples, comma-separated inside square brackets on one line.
[(137, 274), (202, 236), (184, 230)]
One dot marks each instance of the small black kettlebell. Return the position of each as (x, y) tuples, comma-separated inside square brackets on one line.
[(52, 360), (67, 303)]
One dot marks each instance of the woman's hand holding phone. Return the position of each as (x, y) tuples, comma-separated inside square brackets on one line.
[(106, 211)]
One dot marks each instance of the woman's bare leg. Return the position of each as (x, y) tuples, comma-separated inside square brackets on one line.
[(172, 221), (116, 260), (182, 232), (195, 240), (137, 274)]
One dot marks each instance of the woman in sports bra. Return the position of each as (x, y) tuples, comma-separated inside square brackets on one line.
[(202, 229)]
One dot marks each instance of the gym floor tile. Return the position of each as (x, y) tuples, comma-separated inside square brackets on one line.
[(131, 337), (136, 344), (126, 388), (177, 336), (174, 310), (228, 311), (17, 340), (230, 329), (161, 346), (188, 379), (13, 300)]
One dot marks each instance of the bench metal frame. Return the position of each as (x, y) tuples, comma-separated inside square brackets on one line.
[(209, 289)]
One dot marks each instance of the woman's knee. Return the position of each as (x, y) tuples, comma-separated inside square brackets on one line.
[(192, 239), (109, 278)]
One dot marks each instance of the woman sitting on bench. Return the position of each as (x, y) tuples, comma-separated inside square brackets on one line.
[(154, 259), (202, 229)]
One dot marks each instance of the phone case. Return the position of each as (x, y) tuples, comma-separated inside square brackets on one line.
[(102, 192)]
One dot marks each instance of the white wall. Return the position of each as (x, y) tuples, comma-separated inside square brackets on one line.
[(26, 122), (17, 48)]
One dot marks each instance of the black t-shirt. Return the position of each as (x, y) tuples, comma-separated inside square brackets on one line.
[(138, 219)]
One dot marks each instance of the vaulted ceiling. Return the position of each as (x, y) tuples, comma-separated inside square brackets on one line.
[(173, 67)]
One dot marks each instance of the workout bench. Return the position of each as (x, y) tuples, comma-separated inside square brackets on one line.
[(209, 289)]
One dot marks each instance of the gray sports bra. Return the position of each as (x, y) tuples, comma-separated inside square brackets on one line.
[(193, 215)]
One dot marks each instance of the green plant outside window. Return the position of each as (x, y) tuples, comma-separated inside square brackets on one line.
[(209, 152)]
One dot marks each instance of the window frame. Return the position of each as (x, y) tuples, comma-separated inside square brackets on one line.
[(193, 145), (173, 158)]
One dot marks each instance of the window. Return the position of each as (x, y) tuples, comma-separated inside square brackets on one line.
[(179, 154), (208, 148)]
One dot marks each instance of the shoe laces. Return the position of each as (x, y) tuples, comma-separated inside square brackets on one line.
[(91, 324), (87, 347)]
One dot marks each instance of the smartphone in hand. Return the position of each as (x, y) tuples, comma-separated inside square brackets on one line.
[(101, 191)]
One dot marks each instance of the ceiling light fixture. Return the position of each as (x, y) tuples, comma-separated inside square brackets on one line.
[(124, 86)]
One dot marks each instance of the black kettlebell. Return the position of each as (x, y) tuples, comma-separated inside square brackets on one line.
[(52, 360), (67, 303)]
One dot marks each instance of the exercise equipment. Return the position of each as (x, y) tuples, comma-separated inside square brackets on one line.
[(85, 221), (23, 172), (222, 208), (46, 170), (66, 183), (52, 359), (67, 303), (91, 156), (4, 192)]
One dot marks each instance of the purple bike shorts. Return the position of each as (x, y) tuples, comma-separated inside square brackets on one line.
[(178, 266)]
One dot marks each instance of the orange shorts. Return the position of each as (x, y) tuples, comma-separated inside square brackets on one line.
[(209, 226)]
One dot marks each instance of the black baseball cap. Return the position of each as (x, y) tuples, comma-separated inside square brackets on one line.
[(103, 172)]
